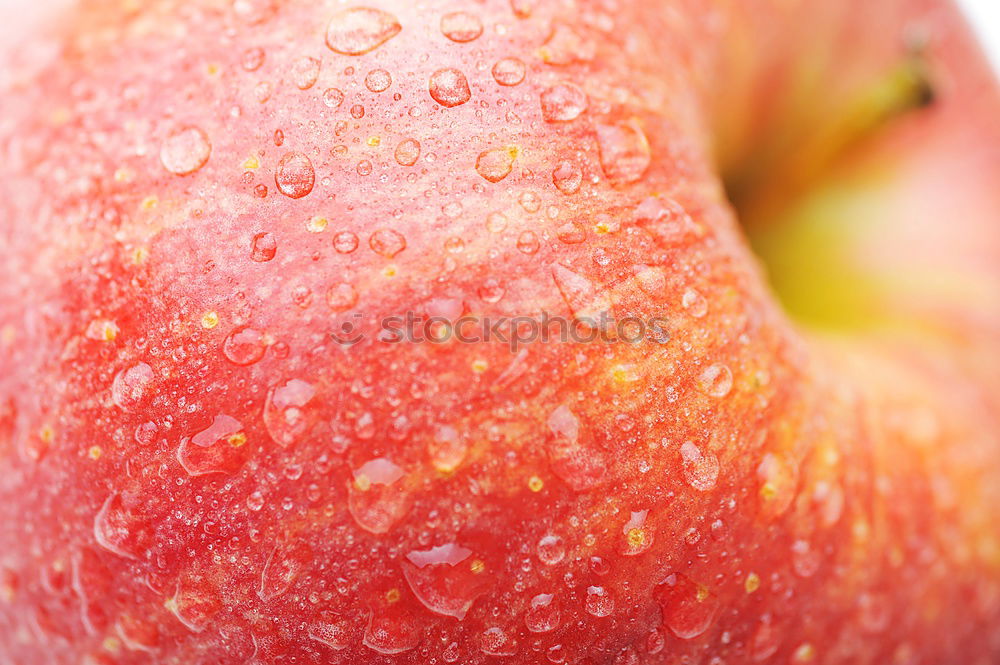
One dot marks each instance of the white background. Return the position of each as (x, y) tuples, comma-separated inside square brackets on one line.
[(17, 15)]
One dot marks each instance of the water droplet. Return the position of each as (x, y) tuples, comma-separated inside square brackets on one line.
[(765, 641), (255, 501), (449, 87), (252, 59), (688, 608), (778, 478), (341, 297), (563, 103), (496, 164), (551, 550), (874, 612), (694, 303), (128, 390), (255, 11), (461, 26), (244, 346), (185, 150), (701, 470), (195, 603), (333, 98), (666, 221), (495, 642), (407, 152), (219, 448), (447, 450), (305, 71), (509, 71), (121, 528), (544, 615), (330, 633), (565, 46), (805, 559), (573, 457), (527, 242), (295, 176), (357, 111), (358, 30), (283, 567), (263, 248), (378, 80), (345, 242), (567, 177), (376, 498), (571, 233), (716, 380), (392, 631), (279, 138), (387, 243), (496, 222), (624, 150), (289, 411), (599, 602), (589, 305), (491, 291), (446, 579)]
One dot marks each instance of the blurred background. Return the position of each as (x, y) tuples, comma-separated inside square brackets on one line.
[(16, 16)]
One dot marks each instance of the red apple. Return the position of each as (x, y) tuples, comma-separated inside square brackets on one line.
[(217, 445)]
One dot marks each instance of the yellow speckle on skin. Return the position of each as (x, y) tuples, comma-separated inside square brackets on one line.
[(149, 203), (390, 271), (46, 434), (317, 224), (805, 653), (60, 116), (6, 593), (124, 175), (752, 582), (702, 593), (213, 69), (362, 482), (209, 320), (139, 255), (111, 644), (237, 440), (392, 595), (768, 491), (479, 366), (374, 141), (478, 566), (251, 163), (7, 334), (635, 537), (535, 484), (624, 374), (95, 453)]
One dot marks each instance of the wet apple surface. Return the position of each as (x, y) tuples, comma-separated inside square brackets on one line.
[(273, 387)]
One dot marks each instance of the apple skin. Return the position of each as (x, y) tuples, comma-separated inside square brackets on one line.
[(198, 195)]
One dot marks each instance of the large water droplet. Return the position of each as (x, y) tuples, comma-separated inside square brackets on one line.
[(544, 615), (565, 46), (563, 103), (377, 499), (567, 177), (573, 456), (625, 153), (666, 221), (341, 297), (121, 526), (446, 579), (496, 642), (219, 448), (551, 550), (295, 176), (449, 87), (392, 630), (447, 449), (128, 390), (599, 602), (688, 608), (496, 164), (255, 11), (387, 242), (289, 411), (345, 242), (461, 26), (716, 380), (283, 567), (331, 633), (509, 71), (244, 346), (185, 150), (694, 303), (407, 152), (333, 98), (305, 71), (358, 30), (378, 80), (590, 306), (701, 469), (263, 247), (195, 603), (778, 478)]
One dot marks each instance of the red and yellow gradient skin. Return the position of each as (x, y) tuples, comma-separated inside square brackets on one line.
[(196, 195)]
